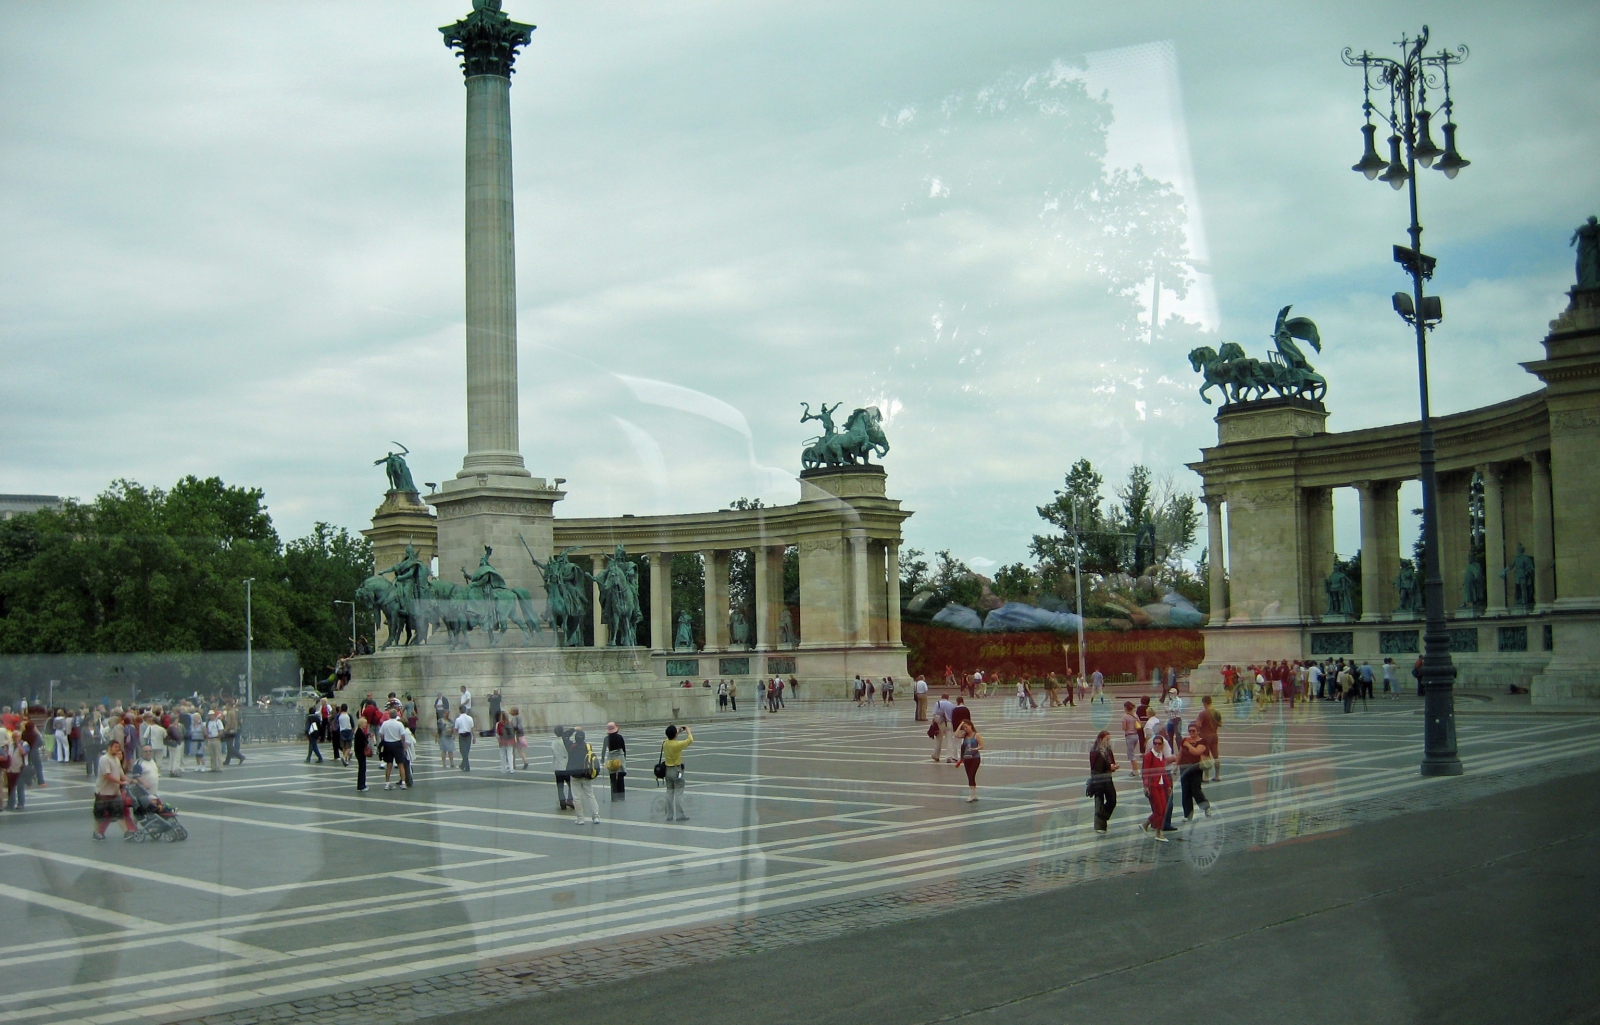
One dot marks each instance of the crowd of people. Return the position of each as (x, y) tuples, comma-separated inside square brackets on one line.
[(119, 747), (1163, 752), (1332, 679)]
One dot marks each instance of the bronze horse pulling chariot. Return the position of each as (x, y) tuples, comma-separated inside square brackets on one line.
[(1286, 370)]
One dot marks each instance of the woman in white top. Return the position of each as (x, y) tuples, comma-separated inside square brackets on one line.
[(109, 803)]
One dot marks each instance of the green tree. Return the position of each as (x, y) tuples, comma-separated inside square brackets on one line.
[(954, 582), (146, 569), (1016, 582), (1102, 545), (913, 572)]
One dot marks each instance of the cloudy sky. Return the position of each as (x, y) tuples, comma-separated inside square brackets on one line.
[(233, 239)]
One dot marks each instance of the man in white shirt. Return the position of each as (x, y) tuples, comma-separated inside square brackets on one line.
[(392, 749), (1314, 678), (942, 711), (464, 703), (919, 695), (145, 773), (214, 740), (464, 729)]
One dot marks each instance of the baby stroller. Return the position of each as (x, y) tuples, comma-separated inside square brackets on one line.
[(156, 819)]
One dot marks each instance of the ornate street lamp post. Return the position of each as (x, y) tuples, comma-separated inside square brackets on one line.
[(1408, 80)]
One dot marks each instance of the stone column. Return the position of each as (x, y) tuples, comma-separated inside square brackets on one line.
[(893, 569), (660, 602), (716, 610), (1386, 500), (1216, 562), (492, 500), (1318, 513), (488, 41), (1372, 562), (1544, 549), (1455, 535), (1494, 540), (763, 630), (859, 589), (597, 565)]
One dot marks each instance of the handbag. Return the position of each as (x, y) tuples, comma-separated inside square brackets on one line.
[(661, 765), (1207, 763)]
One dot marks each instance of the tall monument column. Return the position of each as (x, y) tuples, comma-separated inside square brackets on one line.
[(493, 501)]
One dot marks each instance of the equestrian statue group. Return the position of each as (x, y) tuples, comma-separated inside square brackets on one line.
[(1286, 370), (415, 604)]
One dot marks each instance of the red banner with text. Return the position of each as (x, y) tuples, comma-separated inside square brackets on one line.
[(1114, 653)]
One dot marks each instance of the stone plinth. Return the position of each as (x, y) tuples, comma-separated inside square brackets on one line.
[(843, 482), (402, 519), (490, 509), (551, 686), (1270, 418)]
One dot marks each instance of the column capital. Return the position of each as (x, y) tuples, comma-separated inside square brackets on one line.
[(486, 40), (1540, 461), (1214, 501)]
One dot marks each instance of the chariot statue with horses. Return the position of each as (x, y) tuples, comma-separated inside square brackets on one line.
[(1286, 371), (861, 438)]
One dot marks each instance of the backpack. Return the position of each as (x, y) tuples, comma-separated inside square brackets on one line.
[(591, 762), (174, 734)]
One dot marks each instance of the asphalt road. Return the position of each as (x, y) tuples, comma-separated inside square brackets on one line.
[(1482, 912)]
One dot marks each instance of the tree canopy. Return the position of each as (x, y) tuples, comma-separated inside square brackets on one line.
[(146, 569)]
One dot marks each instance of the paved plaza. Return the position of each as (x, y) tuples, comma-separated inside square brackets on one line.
[(295, 896)]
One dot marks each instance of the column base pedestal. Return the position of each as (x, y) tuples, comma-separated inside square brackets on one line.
[(493, 510)]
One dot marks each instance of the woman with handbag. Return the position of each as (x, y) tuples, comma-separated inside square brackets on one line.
[(1209, 722), (1102, 784), (671, 770), (109, 801), (616, 759), (970, 743)]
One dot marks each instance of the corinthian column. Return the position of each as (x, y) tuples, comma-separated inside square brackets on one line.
[(488, 42), (1216, 561), (493, 501)]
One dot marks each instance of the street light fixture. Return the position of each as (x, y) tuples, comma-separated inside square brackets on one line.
[(1408, 80), (249, 647), (352, 605)]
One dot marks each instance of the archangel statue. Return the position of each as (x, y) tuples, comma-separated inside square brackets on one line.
[(394, 464)]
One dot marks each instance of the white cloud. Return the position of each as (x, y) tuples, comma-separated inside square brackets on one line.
[(234, 243)]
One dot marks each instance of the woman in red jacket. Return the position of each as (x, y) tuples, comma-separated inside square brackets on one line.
[(1157, 784)]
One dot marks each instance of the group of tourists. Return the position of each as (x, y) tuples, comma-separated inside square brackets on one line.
[(1156, 742), (865, 690), (1032, 690), (956, 739), (1332, 679)]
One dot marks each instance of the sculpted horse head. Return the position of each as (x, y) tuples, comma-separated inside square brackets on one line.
[(1201, 358)]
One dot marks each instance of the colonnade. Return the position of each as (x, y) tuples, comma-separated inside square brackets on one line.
[(1516, 511), (853, 601)]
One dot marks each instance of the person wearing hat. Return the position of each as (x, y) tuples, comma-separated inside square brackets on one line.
[(616, 761)]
